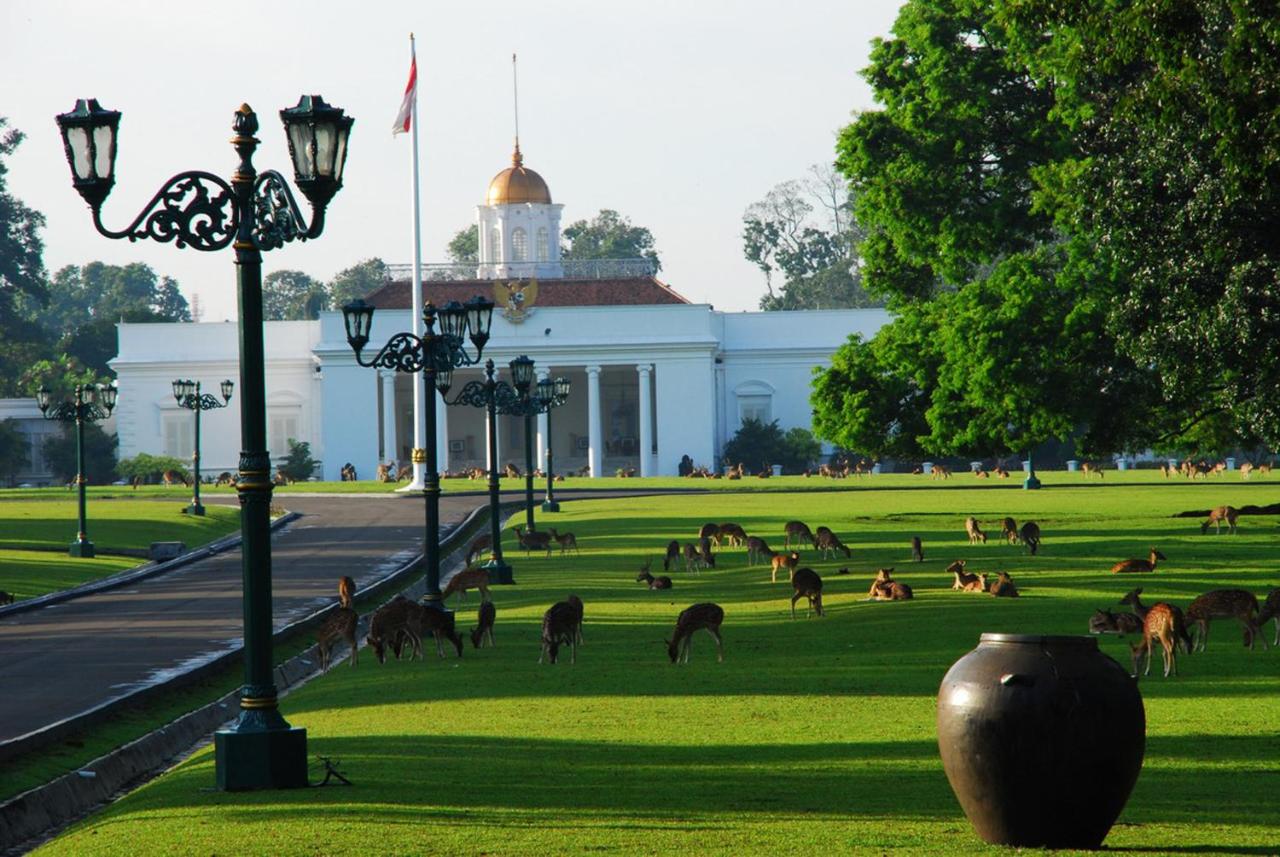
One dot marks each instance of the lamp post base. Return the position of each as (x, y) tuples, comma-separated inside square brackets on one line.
[(83, 550), (550, 506), (194, 509), (499, 572), (1031, 483), (248, 759)]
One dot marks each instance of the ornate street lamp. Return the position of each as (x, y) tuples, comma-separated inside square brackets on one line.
[(551, 395), (435, 355), (253, 212), (187, 394), (528, 403), (492, 395), (79, 410)]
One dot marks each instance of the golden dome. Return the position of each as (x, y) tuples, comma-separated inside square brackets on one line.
[(515, 184)]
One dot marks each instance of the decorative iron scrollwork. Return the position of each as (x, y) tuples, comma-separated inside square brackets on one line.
[(277, 219), (194, 209)]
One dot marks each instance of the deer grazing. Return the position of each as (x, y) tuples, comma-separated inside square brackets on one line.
[(423, 620), (1009, 530), (1002, 586), (478, 546), (346, 592), (467, 578), (660, 582), (1224, 604), (788, 560), (341, 625), (1030, 535), (484, 630), (975, 532), (757, 549), (1138, 566), (388, 624), (559, 628), (1181, 635), (917, 549), (799, 531), (807, 584), (828, 543), (734, 533), (885, 588), (692, 558), (576, 603), (565, 540), (705, 616), (673, 555), (1217, 516), (709, 531), (533, 540), (1105, 622), (175, 477), (705, 556)]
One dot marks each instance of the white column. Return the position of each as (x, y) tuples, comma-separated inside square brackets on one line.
[(646, 422), (389, 446), (442, 432), (541, 451), (595, 435)]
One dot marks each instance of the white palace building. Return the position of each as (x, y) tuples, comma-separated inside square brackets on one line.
[(654, 377)]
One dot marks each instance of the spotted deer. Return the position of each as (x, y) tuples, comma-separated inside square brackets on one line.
[(807, 584), (576, 603), (939, 471), (533, 540), (565, 540), (885, 588), (799, 531), (788, 560), (964, 581), (705, 556), (346, 592), (1030, 536), (757, 549), (734, 533), (1087, 467), (1161, 625), (175, 477), (1002, 586), (477, 548), (660, 582), (467, 578), (975, 532), (388, 623), (559, 628), (484, 630), (1217, 516), (1138, 566), (699, 617), (1009, 530), (673, 555), (828, 543), (1106, 622), (424, 619), (341, 625), (1270, 610), (692, 558), (1133, 599), (1224, 604), (709, 531), (917, 549)]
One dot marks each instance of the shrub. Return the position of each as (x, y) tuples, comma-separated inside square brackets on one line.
[(757, 444), (99, 454), (298, 465), (150, 467)]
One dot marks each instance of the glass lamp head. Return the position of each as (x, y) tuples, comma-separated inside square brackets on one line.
[(89, 139), (317, 134)]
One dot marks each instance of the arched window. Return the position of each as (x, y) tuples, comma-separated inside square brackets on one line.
[(519, 245), (495, 245), (544, 244)]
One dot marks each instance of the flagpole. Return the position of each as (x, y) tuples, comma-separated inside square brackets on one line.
[(419, 383)]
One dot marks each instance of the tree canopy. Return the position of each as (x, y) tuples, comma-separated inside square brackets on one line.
[(464, 247), (609, 235), (292, 296), (357, 281)]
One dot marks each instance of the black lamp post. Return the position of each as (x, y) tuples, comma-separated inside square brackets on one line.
[(551, 395), (522, 378), (188, 395), (435, 355), (252, 213), (492, 395), (81, 409)]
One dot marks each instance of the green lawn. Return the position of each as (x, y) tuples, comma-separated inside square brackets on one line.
[(112, 523), (814, 736)]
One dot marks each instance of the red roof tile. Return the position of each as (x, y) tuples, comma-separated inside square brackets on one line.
[(633, 291)]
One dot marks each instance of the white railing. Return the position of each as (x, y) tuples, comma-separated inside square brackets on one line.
[(571, 269)]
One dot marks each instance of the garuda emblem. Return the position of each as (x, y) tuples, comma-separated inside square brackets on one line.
[(516, 299)]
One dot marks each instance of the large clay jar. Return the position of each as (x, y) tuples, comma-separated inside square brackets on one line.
[(1042, 739)]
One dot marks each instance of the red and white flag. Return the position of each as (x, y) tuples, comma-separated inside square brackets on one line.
[(405, 116)]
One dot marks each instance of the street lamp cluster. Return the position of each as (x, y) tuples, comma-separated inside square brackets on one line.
[(253, 212), (188, 395), (91, 403)]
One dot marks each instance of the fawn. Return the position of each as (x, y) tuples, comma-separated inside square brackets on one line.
[(559, 628), (789, 561), (828, 543), (807, 584), (478, 546), (1161, 624), (341, 625), (698, 617), (975, 532), (661, 582), (533, 540), (1223, 604), (1181, 635), (799, 531), (484, 631), (1002, 586), (1106, 622), (387, 624), (1138, 566), (1217, 516), (468, 578), (1030, 535), (673, 555), (757, 549), (734, 533), (917, 549), (566, 540), (346, 592), (1009, 530), (1270, 610), (885, 588)]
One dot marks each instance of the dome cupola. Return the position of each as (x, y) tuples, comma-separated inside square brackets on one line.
[(516, 185)]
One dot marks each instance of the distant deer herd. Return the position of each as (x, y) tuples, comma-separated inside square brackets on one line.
[(401, 624)]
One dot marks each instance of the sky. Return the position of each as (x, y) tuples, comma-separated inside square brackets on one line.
[(676, 114)]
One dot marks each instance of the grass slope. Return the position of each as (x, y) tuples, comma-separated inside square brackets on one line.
[(815, 735)]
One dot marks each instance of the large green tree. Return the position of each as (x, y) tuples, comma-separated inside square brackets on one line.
[(23, 286), (292, 296), (98, 291), (357, 281), (14, 449), (609, 235), (464, 247)]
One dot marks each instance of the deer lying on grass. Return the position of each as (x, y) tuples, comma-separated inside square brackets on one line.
[(1224, 604), (885, 588), (975, 532), (828, 543), (1002, 586), (661, 582), (559, 628), (1009, 530), (757, 549), (917, 549), (1270, 610), (807, 584), (467, 578), (1217, 516), (964, 581), (705, 616), (799, 531), (533, 540), (341, 625), (789, 561), (1106, 622), (510, 471), (1138, 566), (484, 630), (734, 533), (673, 555), (477, 548), (1181, 635), (565, 540), (1030, 535), (405, 473), (346, 592), (388, 623)]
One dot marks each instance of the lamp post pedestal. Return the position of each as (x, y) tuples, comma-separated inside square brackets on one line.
[(1031, 483), (81, 549)]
